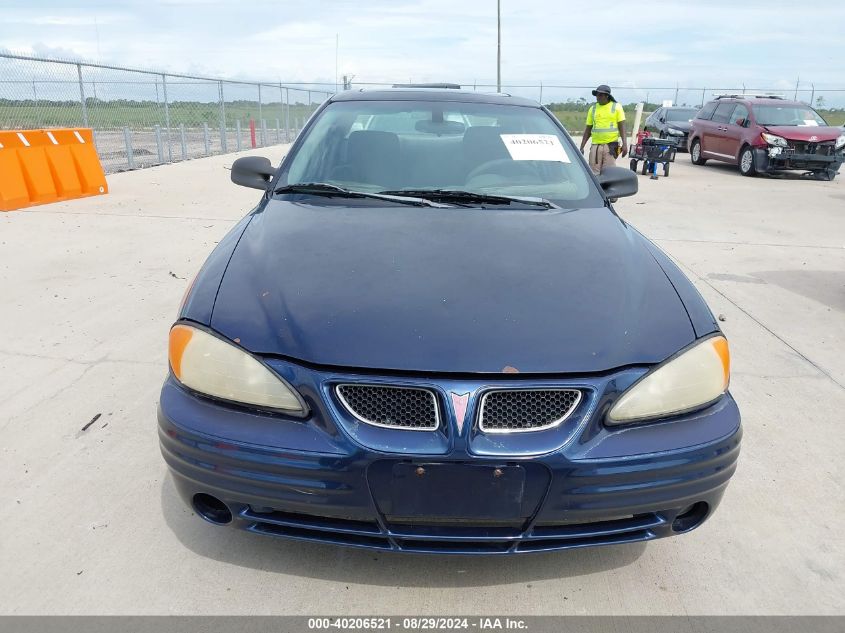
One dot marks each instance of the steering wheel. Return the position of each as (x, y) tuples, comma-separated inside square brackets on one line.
[(502, 167)]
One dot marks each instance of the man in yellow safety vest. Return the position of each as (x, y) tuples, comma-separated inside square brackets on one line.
[(605, 127)]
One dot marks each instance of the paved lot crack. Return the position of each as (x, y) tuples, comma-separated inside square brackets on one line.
[(666, 239), (104, 359), (132, 215), (762, 325)]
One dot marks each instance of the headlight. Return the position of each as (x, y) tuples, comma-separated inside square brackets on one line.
[(694, 378), (840, 142), (773, 139), (675, 132), (211, 366)]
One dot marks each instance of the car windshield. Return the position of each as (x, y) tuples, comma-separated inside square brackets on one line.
[(483, 148), (680, 115), (787, 115)]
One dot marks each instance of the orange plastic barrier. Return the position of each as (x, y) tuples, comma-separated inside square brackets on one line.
[(40, 166)]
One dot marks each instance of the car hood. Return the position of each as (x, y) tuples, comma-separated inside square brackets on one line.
[(679, 125), (449, 290), (805, 133)]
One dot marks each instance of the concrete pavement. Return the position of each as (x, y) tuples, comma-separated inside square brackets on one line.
[(93, 524)]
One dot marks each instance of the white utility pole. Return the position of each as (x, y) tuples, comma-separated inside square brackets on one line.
[(498, 45)]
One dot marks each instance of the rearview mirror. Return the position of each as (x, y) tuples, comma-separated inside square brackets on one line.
[(440, 127), (253, 171), (618, 182)]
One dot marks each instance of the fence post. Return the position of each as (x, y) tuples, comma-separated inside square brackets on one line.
[(130, 155), (238, 132), (166, 117), (158, 144), (287, 115), (263, 133), (82, 96), (205, 137), (281, 101), (259, 102), (278, 132), (223, 143), (184, 144)]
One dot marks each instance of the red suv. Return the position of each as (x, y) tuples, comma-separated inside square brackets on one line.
[(765, 134)]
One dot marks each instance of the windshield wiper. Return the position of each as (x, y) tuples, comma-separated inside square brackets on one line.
[(458, 196), (327, 189)]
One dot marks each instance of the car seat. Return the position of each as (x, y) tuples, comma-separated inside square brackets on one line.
[(372, 157)]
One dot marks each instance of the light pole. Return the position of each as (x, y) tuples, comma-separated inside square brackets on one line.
[(498, 45)]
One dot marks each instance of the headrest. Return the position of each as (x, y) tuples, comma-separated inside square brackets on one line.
[(484, 141), (373, 143)]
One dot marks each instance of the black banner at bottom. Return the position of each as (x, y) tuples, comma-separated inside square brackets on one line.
[(422, 624)]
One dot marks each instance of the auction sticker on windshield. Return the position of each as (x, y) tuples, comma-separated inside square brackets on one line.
[(535, 147)]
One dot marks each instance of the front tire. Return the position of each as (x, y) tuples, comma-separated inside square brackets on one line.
[(746, 162), (633, 164), (695, 153)]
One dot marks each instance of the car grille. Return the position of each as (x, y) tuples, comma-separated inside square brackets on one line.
[(406, 408), (820, 149), (510, 411)]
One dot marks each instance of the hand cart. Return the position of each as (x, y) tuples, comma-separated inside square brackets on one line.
[(653, 151)]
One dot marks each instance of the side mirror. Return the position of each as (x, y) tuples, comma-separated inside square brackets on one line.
[(741, 122), (618, 182), (253, 171)]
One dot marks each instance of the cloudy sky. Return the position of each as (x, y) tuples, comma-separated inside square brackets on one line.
[(763, 44)]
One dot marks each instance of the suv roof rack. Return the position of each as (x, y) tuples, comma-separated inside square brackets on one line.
[(747, 95), (442, 86)]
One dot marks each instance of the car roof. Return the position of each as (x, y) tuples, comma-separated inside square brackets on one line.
[(432, 94), (760, 101)]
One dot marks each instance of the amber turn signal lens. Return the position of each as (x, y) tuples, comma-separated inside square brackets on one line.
[(720, 344), (180, 336)]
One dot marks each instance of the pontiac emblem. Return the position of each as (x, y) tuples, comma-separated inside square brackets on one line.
[(459, 405)]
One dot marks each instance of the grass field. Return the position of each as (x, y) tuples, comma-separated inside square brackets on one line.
[(29, 114), (142, 114)]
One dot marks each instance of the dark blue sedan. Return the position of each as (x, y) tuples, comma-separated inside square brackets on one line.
[(434, 334)]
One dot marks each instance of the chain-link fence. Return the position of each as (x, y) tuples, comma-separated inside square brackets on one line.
[(142, 118)]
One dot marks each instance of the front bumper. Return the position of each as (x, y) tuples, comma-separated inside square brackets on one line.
[(329, 478), (777, 159), (683, 141)]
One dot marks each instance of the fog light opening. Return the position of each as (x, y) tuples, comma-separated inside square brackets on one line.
[(212, 509), (690, 517)]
